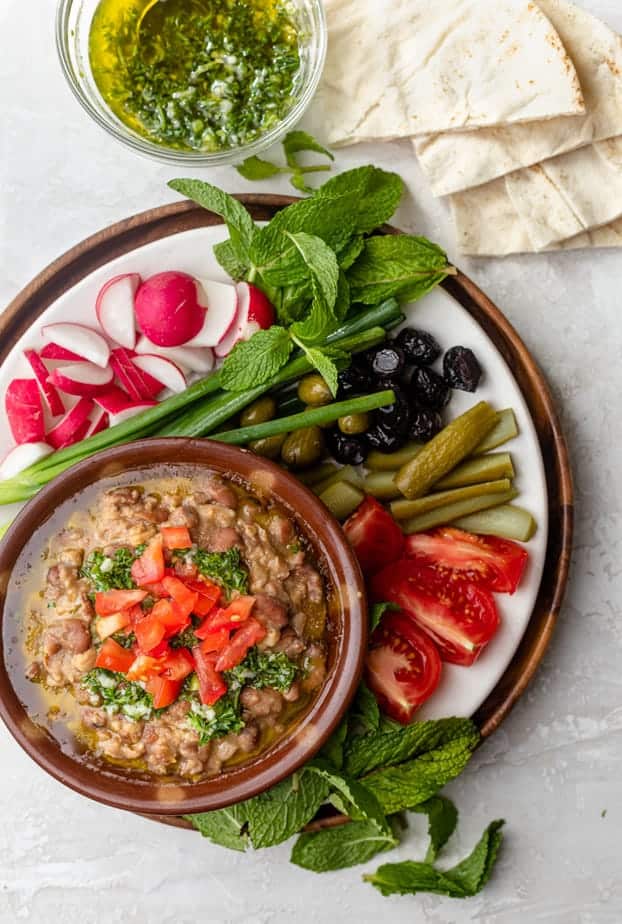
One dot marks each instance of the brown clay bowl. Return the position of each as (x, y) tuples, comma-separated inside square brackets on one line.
[(346, 634)]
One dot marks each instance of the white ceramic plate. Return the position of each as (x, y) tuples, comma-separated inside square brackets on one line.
[(462, 690)]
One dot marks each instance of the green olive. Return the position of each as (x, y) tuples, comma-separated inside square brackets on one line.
[(258, 412), (269, 447), (314, 391), (303, 447), (353, 424)]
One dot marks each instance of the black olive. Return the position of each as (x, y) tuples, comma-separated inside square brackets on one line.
[(461, 368), (354, 381), (429, 388), (379, 437), (396, 416), (424, 424), (346, 449), (419, 347), (387, 361)]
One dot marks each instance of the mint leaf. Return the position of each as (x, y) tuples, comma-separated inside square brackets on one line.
[(224, 826), (442, 820), (321, 264), (325, 366), (226, 255), (241, 226), (343, 301), (352, 250), (254, 168), (462, 881), (253, 362), (278, 814), (377, 612), (404, 742), (355, 799), (297, 141), (410, 783), (341, 847), (399, 265), (365, 711), (333, 749), (377, 194)]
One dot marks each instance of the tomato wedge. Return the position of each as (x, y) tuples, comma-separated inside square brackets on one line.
[(163, 690), (183, 597), (460, 617), (149, 568), (149, 632), (113, 657), (108, 602), (493, 563), (178, 664), (211, 683), (176, 537), (403, 667), (214, 641), (229, 618), (108, 625), (144, 666), (248, 635), (374, 535)]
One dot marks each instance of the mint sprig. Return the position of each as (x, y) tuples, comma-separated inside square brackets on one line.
[(294, 143)]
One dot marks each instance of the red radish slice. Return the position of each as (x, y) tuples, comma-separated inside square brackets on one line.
[(169, 309), (23, 456), (25, 411), (254, 313), (55, 352), (163, 370), (131, 411), (79, 434), (113, 400), (260, 310), (139, 385), (187, 358), (84, 341), (102, 423), (65, 432), (82, 379), (50, 395), (115, 309), (221, 300)]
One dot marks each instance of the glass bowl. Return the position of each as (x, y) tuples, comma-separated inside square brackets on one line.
[(73, 23)]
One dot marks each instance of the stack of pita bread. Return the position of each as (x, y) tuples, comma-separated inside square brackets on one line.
[(514, 109)]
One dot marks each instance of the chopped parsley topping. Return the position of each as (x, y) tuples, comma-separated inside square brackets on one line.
[(185, 639), (119, 695), (223, 718), (110, 572), (225, 568), (125, 640), (263, 669)]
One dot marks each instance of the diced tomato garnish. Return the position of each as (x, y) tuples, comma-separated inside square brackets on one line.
[(149, 632), (248, 635), (113, 657), (493, 563), (171, 616), (178, 664), (176, 537), (229, 618), (184, 598), (163, 690), (403, 666), (144, 666), (149, 568), (211, 683), (161, 650), (108, 625), (209, 595), (374, 535), (108, 602), (214, 641)]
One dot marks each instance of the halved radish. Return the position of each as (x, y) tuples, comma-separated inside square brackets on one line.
[(52, 351), (115, 309), (68, 430), (254, 313), (82, 379), (168, 308), (187, 358), (139, 385), (78, 338), (163, 370), (25, 411), (131, 411), (79, 434), (51, 396), (101, 423), (221, 301), (23, 456), (113, 400)]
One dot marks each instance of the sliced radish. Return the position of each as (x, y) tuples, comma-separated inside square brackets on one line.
[(139, 385), (25, 411), (163, 370), (254, 313), (131, 411), (221, 301), (82, 379), (187, 358), (21, 457), (55, 352), (84, 341), (113, 400), (80, 433), (68, 430), (50, 395), (260, 309), (115, 309), (101, 423), (168, 308)]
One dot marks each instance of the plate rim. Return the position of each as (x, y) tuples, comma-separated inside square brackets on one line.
[(163, 221)]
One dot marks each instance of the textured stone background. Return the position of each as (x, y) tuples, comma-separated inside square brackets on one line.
[(553, 770)]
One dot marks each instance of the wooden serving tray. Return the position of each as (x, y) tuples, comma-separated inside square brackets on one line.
[(171, 219)]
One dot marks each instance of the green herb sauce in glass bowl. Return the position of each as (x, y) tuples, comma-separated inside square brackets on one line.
[(196, 75)]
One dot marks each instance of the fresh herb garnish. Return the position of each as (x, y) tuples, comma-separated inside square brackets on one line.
[(223, 718), (118, 694), (107, 572), (263, 669), (125, 640), (294, 143), (185, 639), (225, 568)]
